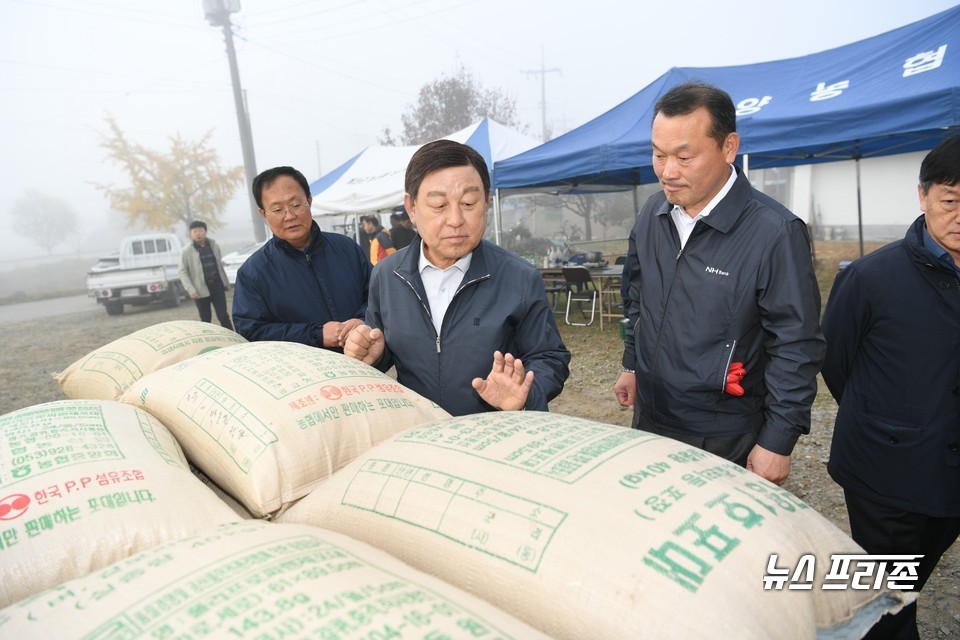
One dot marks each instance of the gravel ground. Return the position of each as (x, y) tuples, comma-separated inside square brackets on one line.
[(33, 350)]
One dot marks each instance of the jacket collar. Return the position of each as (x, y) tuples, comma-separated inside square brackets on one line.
[(410, 262), (915, 245), (317, 241), (729, 209)]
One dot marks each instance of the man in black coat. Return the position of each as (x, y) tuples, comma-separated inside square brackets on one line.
[(401, 229), (892, 325)]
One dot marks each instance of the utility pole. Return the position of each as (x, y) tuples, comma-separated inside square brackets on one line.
[(218, 13), (543, 92)]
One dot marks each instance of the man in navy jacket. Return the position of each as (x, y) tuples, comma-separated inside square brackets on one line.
[(466, 323), (303, 285), (892, 325)]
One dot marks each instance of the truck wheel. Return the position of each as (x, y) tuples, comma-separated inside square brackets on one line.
[(113, 308), (171, 298)]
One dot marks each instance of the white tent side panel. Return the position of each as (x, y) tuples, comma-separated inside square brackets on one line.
[(375, 180)]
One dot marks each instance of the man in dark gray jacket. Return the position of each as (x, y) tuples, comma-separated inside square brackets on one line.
[(466, 323), (723, 302)]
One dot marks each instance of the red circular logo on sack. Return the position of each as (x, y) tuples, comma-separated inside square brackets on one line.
[(330, 392), (13, 506)]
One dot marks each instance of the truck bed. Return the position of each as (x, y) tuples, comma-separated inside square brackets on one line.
[(121, 278)]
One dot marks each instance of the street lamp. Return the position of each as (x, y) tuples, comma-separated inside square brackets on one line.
[(218, 13)]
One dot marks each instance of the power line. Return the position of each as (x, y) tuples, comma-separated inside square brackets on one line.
[(543, 71)]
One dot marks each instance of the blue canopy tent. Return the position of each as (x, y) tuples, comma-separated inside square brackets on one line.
[(893, 93)]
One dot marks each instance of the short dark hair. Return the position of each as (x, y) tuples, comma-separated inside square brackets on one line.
[(266, 178), (198, 224), (686, 98), (442, 154), (941, 165)]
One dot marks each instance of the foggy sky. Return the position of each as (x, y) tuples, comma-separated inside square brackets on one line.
[(323, 78)]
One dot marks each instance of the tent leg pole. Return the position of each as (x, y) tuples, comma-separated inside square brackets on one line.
[(496, 217), (859, 207)]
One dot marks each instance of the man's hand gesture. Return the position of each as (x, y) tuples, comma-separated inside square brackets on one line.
[(364, 344), (507, 385)]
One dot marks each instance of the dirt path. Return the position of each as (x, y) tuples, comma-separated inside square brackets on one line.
[(46, 308)]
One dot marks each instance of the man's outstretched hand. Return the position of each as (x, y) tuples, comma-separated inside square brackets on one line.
[(507, 386)]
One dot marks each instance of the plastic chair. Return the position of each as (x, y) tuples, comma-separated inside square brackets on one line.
[(580, 289), (613, 302), (554, 289)]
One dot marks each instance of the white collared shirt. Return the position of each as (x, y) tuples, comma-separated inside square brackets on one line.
[(685, 223), (441, 284)]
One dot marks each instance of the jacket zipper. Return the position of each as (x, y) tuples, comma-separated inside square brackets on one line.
[(463, 285), (726, 367), (427, 309), (673, 281), (666, 305), (422, 303)]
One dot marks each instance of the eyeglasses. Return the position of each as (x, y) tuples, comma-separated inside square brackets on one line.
[(293, 209)]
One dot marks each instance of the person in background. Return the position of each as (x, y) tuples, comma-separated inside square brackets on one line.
[(303, 285), (401, 229), (362, 238), (380, 244), (724, 342), (202, 275), (892, 324), (466, 323)]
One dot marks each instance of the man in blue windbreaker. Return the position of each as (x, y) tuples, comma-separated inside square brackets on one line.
[(303, 285)]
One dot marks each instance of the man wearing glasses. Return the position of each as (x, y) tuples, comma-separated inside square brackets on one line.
[(303, 285)]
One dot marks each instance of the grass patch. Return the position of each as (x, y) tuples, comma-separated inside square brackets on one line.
[(40, 281)]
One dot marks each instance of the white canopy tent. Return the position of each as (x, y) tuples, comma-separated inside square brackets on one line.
[(372, 181)]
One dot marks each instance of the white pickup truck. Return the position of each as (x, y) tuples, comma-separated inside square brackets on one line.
[(142, 272)]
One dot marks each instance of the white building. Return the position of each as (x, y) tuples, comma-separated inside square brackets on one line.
[(825, 195)]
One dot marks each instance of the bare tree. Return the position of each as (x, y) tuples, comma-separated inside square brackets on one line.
[(615, 210), (43, 220), (449, 104), (583, 206), (606, 209)]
